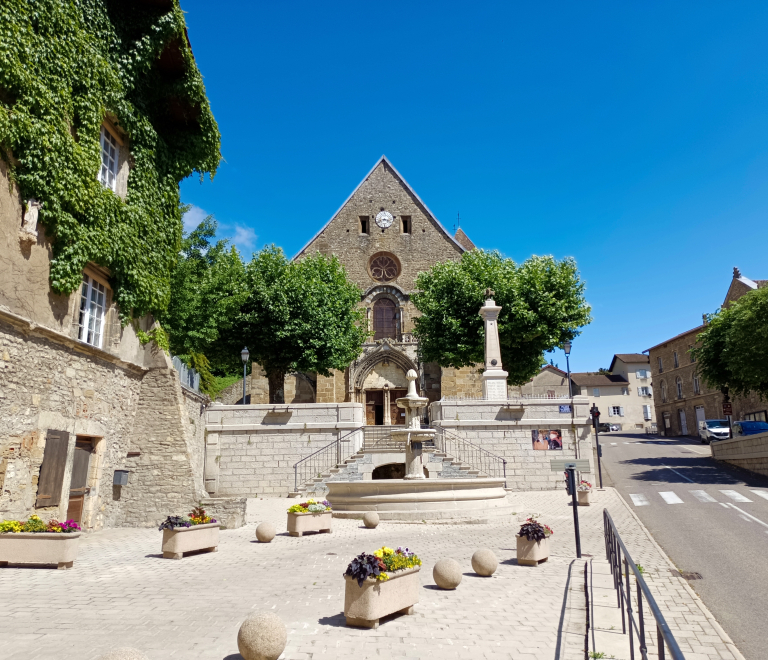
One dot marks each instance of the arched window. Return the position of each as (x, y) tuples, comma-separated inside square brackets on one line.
[(663, 392), (384, 319), (696, 384), (679, 383)]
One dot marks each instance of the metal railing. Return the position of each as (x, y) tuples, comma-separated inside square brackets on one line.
[(325, 458), (510, 397), (487, 463), (380, 438), (614, 549), (187, 375)]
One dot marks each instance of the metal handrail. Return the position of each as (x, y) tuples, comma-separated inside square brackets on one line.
[(468, 452), (614, 547), (319, 461)]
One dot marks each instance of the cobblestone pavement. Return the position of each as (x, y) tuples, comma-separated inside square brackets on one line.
[(122, 593)]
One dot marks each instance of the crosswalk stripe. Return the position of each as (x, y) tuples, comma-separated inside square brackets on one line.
[(736, 497), (639, 500), (760, 493), (702, 496), (670, 498), (613, 443)]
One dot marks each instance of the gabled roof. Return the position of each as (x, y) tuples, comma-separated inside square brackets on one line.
[(629, 358), (431, 215), (463, 239), (697, 329), (598, 380)]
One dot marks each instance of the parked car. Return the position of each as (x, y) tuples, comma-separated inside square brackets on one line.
[(615, 427), (749, 428), (714, 429), (602, 427)]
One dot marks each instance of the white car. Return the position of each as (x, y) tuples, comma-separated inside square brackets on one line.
[(714, 429)]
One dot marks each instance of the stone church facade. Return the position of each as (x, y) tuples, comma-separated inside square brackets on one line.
[(384, 235)]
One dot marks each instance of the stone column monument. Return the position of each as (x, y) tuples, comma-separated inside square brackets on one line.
[(413, 435), (494, 378)]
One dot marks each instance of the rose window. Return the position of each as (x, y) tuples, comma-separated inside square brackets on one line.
[(384, 268)]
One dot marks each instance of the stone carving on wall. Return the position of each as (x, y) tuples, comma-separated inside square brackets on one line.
[(29, 226)]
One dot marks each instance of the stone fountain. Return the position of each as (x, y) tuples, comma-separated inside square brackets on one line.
[(413, 435)]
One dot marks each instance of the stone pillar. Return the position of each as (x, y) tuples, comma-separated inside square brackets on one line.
[(387, 411), (494, 378)]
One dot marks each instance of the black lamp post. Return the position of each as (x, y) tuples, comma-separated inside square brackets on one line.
[(567, 351), (244, 354)]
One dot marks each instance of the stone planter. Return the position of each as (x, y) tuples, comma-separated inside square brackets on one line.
[(585, 497), (41, 548), (299, 523), (532, 553), (364, 606), (179, 540)]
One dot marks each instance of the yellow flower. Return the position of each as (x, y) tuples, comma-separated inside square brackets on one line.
[(378, 553), (382, 577)]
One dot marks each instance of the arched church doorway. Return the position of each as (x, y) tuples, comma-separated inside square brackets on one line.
[(389, 471)]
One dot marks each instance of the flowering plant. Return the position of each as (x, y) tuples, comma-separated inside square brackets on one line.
[(584, 486), (310, 506), (36, 525), (196, 517), (533, 530), (382, 560)]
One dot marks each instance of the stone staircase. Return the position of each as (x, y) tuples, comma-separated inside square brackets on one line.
[(438, 464)]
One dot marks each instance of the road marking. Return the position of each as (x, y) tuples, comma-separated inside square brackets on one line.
[(613, 443), (757, 520), (736, 497), (760, 493), (670, 498), (723, 504), (702, 496), (639, 500), (678, 474)]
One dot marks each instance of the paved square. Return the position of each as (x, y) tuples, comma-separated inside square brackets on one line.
[(122, 593)]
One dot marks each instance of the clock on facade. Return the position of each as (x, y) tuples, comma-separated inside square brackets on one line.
[(384, 219)]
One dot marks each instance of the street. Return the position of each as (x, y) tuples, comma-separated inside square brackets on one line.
[(710, 519)]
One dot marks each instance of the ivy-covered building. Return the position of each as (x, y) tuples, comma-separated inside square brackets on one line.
[(103, 112)]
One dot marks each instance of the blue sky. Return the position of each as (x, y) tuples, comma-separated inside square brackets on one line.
[(631, 136)]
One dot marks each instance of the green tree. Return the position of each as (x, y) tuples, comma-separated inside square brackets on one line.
[(542, 304), (299, 316), (732, 352), (207, 291)]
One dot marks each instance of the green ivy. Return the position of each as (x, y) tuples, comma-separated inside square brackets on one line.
[(65, 65), (157, 335)]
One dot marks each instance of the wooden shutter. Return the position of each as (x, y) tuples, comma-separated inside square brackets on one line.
[(621, 411), (52, 470)]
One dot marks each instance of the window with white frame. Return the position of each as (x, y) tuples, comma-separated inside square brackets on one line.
[(647, 413), (679, 385), (642, 373), (644, 391), (595, 391), (616, 411), (90, 322), (625, 391), (110, 151), (696, 384)]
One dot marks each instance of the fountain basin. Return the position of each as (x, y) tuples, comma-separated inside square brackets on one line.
[(423, 499)]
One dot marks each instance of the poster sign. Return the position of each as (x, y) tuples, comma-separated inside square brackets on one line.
[(547, 439), (727, 409), (565, 408)]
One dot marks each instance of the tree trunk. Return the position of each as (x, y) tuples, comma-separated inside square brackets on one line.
[(276, 386)]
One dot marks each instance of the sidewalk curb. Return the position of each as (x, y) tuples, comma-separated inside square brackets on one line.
[(699, 603)]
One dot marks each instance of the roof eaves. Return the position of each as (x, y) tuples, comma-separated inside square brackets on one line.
[(682, 334)]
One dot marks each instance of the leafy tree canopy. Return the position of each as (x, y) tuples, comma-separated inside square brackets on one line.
[(299, 316), (732, 352), (542, 303)]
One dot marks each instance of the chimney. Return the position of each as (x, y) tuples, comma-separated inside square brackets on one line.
[(736, 273), (704, 318)]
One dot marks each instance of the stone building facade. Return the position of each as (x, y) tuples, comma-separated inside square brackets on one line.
[(384, 235), (681, 397)]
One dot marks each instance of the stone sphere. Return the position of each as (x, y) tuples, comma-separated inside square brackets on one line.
[(262, 636), (484, 562), (447, 574), (265, 532), (124, 654), (371, 519)]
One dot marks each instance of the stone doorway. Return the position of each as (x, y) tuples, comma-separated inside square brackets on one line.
[(381, 409)]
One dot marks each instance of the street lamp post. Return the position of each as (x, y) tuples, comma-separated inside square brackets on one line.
[(567, 351), (244, 354)]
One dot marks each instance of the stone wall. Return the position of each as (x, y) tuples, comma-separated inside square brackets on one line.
[(251, 450), (44, 387), (749, 452), (506, 430), (463, 382)]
